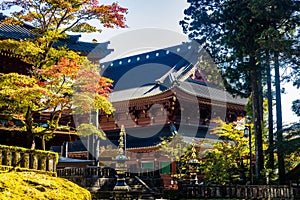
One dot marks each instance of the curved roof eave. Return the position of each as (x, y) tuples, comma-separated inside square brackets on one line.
[(210, 93), (201, 91)]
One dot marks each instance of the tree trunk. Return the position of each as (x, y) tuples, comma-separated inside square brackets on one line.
[(257, 117), (29, 126), (270, 113), (280, 154), (43, 143)]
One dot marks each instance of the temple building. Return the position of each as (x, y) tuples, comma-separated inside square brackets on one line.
[(156, 95)]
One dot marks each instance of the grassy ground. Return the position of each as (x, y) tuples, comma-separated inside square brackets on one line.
[(33, 186)]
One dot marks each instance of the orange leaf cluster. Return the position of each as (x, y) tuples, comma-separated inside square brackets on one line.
[(65, 67), (51, 11), (111, 15), (91, 81)]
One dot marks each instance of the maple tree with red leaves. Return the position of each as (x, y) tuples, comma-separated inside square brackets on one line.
[(60, 80), (66, 15)]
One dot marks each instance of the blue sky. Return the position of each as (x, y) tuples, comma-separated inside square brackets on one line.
[(164, 14)]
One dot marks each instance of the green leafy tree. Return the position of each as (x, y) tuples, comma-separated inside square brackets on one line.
[(296, 103), (58, 77), (174, 147), (227, 161), (291, 145), (296, 107), (23, 96), (179, 152)]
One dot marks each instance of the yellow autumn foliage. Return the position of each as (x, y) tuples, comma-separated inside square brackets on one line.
[(33, 186)]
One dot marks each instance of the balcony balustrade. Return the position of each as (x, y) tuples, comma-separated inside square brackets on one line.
[(22, 159)]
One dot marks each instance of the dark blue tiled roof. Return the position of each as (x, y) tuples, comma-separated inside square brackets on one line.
[(14, 32), (8, 31), (141, 137), (147, 68), (93, 50), (72, 160), (158, 71), (76, 146), (150, 136), (73, 146)]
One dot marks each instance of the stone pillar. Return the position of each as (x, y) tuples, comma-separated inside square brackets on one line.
[(50, 163), (7, 158), (54, 163), (17, 159), (42, 162), (26, 160), (33, 161)]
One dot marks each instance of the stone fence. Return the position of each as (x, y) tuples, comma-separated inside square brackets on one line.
[(22, 159), (103, 178), (91, 178), (238, 191), (101, 172)]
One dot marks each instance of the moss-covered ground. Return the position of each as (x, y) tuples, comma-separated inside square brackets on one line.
[(33, 186)]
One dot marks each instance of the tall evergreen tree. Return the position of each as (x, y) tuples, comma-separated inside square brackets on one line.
[(279, 39), (237, 34)]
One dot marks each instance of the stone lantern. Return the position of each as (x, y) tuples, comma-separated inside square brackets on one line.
[(121, 164), (193, 166)]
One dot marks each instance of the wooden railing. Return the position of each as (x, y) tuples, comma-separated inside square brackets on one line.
[(238, 191), (22, 159)]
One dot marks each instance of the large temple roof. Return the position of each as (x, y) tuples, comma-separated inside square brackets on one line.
[(92, 50), (212, 93), (156, 72), (150, 67), (145, 137), (194, 89)]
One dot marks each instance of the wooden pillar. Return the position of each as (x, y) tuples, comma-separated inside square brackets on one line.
[(173, 168)]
